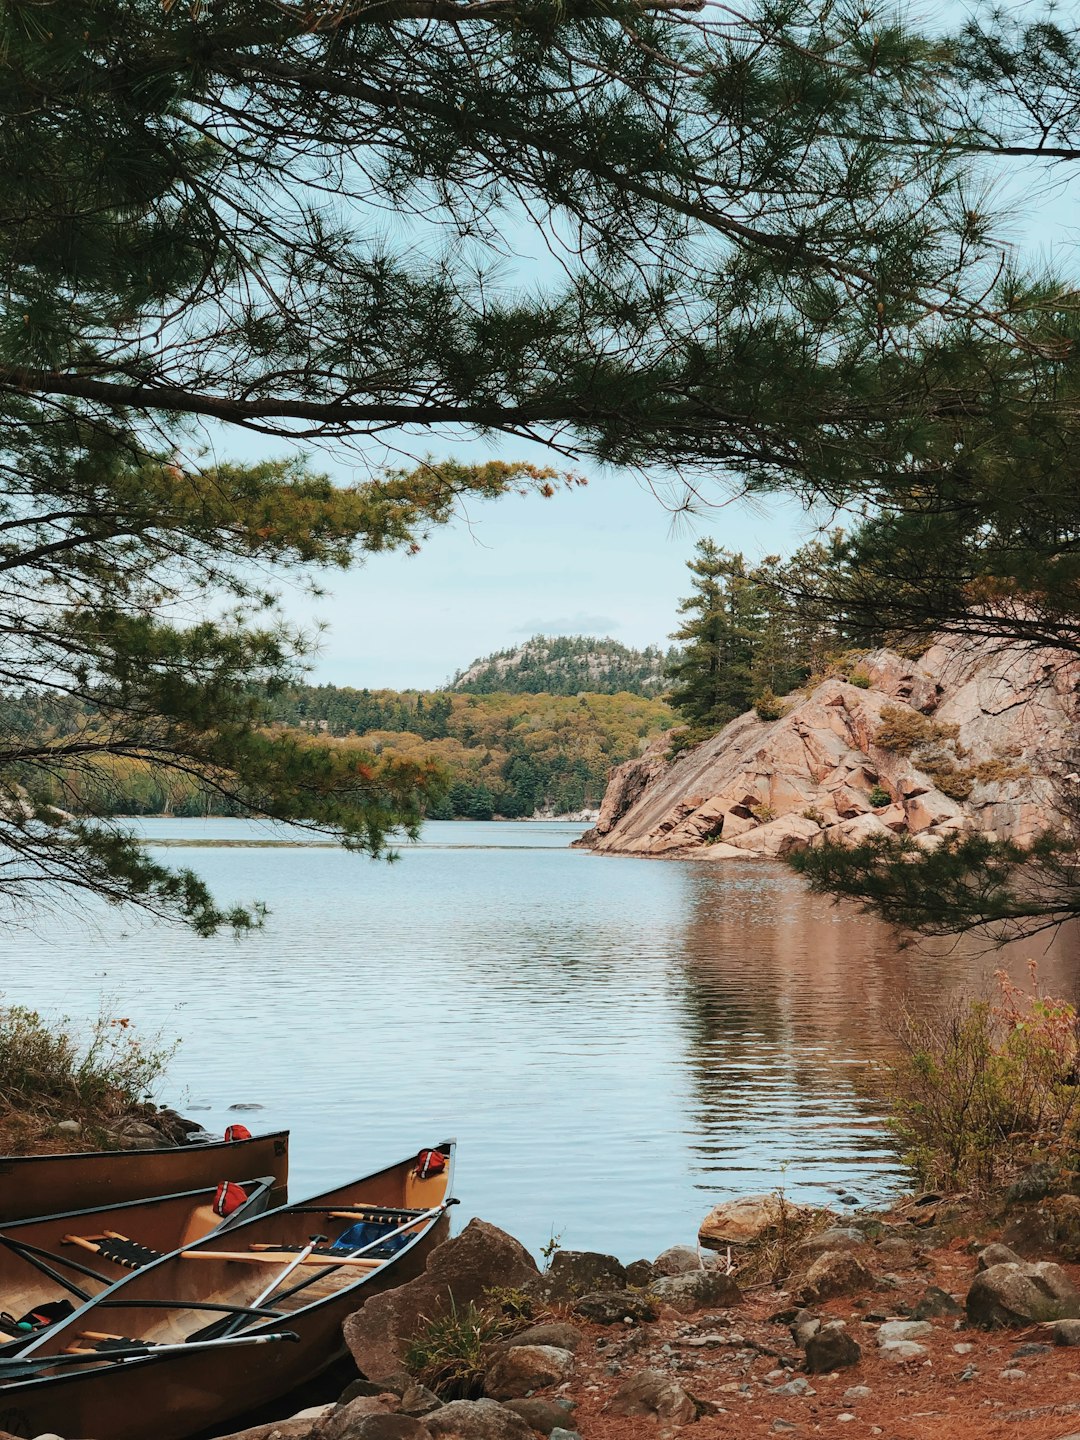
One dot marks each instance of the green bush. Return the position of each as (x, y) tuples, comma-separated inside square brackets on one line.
[(450, 1353), (860, 679), (50, 1072), (979, 1092), (769, 706), (879, 797)]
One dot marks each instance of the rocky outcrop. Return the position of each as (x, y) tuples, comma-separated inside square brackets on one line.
[(972, 733)]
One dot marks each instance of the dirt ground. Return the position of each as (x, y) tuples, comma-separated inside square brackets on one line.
[(945, 1395)]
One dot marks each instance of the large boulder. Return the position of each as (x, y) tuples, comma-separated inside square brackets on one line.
[(521, 1369), (1021, 1295), (651, 1392), (458, 1273), (837, 1272), (696, 1290), (837, 1237), (579, 1272), (384, 1426), (477, 1420), (744, 1221)]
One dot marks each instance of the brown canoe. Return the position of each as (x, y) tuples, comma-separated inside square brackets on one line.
[(68, 1257), (49, 1184), (198, 1294)]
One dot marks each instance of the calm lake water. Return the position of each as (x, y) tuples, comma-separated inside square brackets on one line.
[(616, 1043)]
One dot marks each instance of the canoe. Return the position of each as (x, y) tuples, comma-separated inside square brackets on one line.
[(49, 1184), (56, 1258), (214, 1361)]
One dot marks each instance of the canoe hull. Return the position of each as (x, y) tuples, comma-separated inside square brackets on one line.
[(33, 1185)]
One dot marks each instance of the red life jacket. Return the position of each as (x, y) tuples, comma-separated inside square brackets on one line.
[(228, 1197), (237, 1132), (428, 1163)]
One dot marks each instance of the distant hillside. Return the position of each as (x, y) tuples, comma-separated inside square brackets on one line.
[(565, 665)]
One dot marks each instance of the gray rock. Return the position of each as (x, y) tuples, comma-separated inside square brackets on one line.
[(560, 1434), (696, 1290), (832, 1348), (935, 1302), (838, 1237), (69, 1127), (1067, 1332), (896, 1253), (996, 1255), (417, 1399), (651, 1392), (640, 1273), (477, 1420), (804, 1327), (613, 1307), (1034, 1184), (677, 1260), (458, 1272), (837, 1272), (551, 1332), (1013, 1374), (798, 1386), (904, 1330), (579, 1272), (1021, 1294), (899, 1351), (247, 1105), (1026, 1352), (542, 1414), (524, 1368), (365, 1419), (854, 1393)]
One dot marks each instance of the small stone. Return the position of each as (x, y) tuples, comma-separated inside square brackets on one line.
[(640, 1273), (1034, 1184), (969, 1372), (677, 1260), (417, 1399), (615, 1307), (1013, 1374), (1022, 1295), (899, 1351), (554, 1332), (963, 1349), (1033, 1347), (837, 1272), (543, 1415), (783, 1427), (904, 1330), (845, 1416), (1067, 1332), (832, 1348), (896, 1252), (936, 1302), (798, 1386), (560, 1434), (695, 1290), (854, 1393), (69, 1127)]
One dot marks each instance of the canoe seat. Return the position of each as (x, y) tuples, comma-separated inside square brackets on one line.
[(117, 1248)]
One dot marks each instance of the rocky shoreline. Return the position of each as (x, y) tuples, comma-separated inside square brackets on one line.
[(913, 1323), (967, 739)]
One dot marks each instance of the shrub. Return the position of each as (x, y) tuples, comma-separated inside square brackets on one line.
[(903, 730), (450, 1353), (879, 797), (50, 1072), (763, 813), (775, 1255), (860, 679), (980, 1091), (769, 706)]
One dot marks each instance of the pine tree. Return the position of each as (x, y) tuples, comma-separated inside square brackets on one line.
[(713, 674)]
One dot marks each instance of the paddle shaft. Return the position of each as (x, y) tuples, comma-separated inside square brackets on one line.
[(20, 1366)]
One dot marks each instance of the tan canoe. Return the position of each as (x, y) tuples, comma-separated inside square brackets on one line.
[(217, 1359), (67, 1257), (49, 1184)]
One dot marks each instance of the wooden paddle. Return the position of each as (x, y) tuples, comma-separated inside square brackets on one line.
[(272, 1255)]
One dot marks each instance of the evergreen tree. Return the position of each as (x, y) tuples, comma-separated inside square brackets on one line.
[(713, 674)]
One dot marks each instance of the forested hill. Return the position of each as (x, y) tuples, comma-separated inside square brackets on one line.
[(504, 754), (510, 755), (565, 665)]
